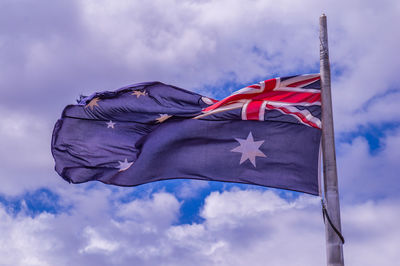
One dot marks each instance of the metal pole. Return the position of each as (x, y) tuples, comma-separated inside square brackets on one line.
[(334, 245)]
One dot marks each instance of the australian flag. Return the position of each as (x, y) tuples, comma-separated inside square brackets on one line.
[(265, 134)]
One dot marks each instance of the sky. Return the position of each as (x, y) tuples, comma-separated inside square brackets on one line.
[(53, 51)]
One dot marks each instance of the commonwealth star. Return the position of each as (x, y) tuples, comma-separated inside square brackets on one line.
[(249, 149)]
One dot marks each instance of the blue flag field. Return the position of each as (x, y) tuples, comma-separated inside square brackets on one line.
[(265, 134)]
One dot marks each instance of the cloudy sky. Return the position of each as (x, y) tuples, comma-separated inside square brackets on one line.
[(53, 51)]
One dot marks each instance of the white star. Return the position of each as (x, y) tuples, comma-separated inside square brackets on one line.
[(93, 103), (139, 93), (207, 100), (110, 124), (249, 149), (163, 117), (124, 165)]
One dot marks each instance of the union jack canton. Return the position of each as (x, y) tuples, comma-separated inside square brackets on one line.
[(297, 96)]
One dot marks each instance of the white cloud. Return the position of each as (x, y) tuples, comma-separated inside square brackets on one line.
[(97, 244), (206, 42), (362, 48), (191, 188), (363, 175), (263, 228), (372, 233), (162, 204), (25, 157)]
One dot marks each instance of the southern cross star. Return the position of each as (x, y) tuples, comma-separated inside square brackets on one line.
[(163, 117), (93, 103), (139, 93), (207, 100), (124, 165), (110, 124), (249, 149)]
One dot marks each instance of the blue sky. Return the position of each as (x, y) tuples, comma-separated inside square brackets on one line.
[(53, 51)]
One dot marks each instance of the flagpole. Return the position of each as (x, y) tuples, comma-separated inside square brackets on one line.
[(334, 241)]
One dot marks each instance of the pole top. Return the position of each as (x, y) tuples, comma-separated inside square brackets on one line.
[(323, 15)]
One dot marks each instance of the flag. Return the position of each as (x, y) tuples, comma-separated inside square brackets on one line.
[(265, 134)]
